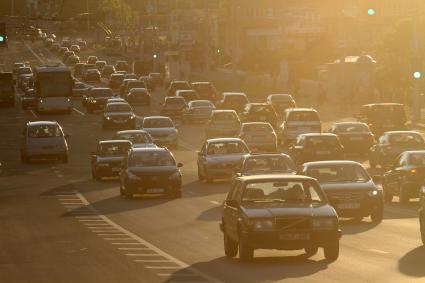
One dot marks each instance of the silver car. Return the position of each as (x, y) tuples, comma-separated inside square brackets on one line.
[(219, 157), (162, 130), (139, 138), (259, 136), (44, 139), (198, 111), (223, 123), (299, 121)]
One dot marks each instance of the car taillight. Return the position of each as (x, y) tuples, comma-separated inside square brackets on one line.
[(413, 170)]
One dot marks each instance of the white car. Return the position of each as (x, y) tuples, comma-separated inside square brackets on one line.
[(162, 130)]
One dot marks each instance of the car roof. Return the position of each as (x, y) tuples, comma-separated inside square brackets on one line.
[(318, 135), (300, 109), (216, 140), (41, 123), (100, 88), (131, 132), (256, 123), (179, 82), (383, 104), (150, 149), (223, 110), (249, 155), (349, 123), (156, 117), (331, 162), (234, 93), (273, 177), (174, 98), (259, 104), (184, 90), (114, 141), (199, 83), (118, 103), (401, 132), (414, 151)]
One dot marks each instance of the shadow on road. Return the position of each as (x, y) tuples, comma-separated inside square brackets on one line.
[(260, 269), (353, 226), (412, 263)]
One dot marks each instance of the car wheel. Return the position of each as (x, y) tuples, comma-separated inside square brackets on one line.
[(230, 246), (377, 215), (403, 194), (246, 252), (200, 177), (332, 251), (311, 251)]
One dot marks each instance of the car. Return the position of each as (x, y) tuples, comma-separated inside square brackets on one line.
[(55, 47), (233, 101), (265, 163), (131, 76), (391, 144), (356, 137), (219, 157), (198, 111), (80, 89), (62, 50), (188, 95), (16, 67), (139, 96), (405, 177), (82, 44), (23, 71), (48, 42), (223, 123), (29, 99), (100, 65), (25, 81), (162, 130), (106, 161), (205, 90), (383, 117), (150, 171), (78, 69), (259, 136), (75, 48), (298, 121), (97, 97), (177, 85), (115, 99), (156, 79), (259, 112), (92, 60), (66, 43), (139, 138), (173, 107), (422, 214), (66, 55), (91, 75), (87, 67), (129, 84), (148, 82), (107, 71), (123, 87), (316, 147), (119, 115), (281, 102), (283, 212), (43, 139), (122, 66), (115, 80), (348, 187), (72, 60)]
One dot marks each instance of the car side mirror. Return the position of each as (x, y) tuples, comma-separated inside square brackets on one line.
[(376, 178), (179, 165), (232, 203)]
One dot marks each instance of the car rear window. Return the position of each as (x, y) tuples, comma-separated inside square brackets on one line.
[(322, 141), (269, 163), (236, 99), (224, 116), (352, 128), (114, 149), (101, 92), (339, 173), (257, 128), (134, 137), (222, 148), (152, 159), (118, 108), (44, 131), (303, 116), (203, 88)]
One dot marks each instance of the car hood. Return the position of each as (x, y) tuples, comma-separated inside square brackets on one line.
[(107, 159), (342, 187), (225, 158), (262, 210), (155, 131), (163, 171), (118, 114)]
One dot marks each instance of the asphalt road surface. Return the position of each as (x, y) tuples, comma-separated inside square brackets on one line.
[(59, 225)]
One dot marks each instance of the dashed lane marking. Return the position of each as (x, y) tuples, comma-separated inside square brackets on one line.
[(78, 111), (378, 251), (33, 114), (128, 241), (215, 202)]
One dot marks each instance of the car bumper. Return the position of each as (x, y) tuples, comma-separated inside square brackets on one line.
[(359, 146), (119, 124), (165, 140), (161, 187)]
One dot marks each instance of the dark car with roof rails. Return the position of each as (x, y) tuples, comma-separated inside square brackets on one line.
[(264, 164), (281, 212), (173, 107), (233, 101), (107, 159), (150, 171), (405, 177), (119, 115), (356, 137), (177, 85), (383, 117), (316, 147), (391, 144), (349, 188)]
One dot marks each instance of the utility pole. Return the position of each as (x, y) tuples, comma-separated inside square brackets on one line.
[(206, 38)]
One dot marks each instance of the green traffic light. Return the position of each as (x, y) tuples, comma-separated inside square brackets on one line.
[(417, 75), (155, 56), (2, 38), (371, 12)]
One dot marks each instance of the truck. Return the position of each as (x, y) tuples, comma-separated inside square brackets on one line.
[(7, 89), (53, 88)]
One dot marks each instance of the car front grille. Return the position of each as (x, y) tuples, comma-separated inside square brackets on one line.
[(346, 196), (293, 223)]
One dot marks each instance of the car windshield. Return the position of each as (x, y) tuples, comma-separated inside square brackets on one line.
[(224, 116), (101, 92), (283, 191), (118, 108), (135, 137), (44, 131), (158, 123), (152, 159), (406, 138), (114, 149), (352, 128), (322, 141), (339, 173), (257, 128), (264, 164), (303, 116), (205, 103), (223, 148), (417, 159)]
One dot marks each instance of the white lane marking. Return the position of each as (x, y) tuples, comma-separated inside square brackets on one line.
[(87, 217), (78, 111), (33, 53), (126, 244), (68, 199), (97, 224), (133, 249), (153, 260), (152, 255), (111, 234), (178, 275), (378, 251), (119, 239), (162, 267), (215, 202), (33, 114), (142, 255), (90, 220)]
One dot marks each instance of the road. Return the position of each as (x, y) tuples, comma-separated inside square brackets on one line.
[(59, 225)]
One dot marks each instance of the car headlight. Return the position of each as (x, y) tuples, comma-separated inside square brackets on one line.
[(108, 118), (175, 176), (372, 193), (323, 223), (132, 176), (93, 101), (131, 117), (261, 224)]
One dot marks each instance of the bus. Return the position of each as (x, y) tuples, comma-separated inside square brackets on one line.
[(53, 87)]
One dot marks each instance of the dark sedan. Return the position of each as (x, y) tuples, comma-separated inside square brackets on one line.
[(119, 115), (349, 188), (107, 159), (173, 107), (97, 98), (391, 144), (406, 176), (316, 147), (356, 137), (150, 171), (282, 212)]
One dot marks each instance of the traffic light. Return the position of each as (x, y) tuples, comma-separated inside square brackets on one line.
[(155, 56), (3, 36), (417, 75), (371, 12)]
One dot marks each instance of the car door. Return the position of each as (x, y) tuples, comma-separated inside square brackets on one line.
[(202, 158), (394, 175), (230, 212)]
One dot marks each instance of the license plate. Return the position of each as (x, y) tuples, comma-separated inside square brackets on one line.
[(348, 205), (116, 169), (295, 236), (154, 191), (323, 152), (120, 121)]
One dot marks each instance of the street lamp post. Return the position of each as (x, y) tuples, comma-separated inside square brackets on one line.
[(88, 17)]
